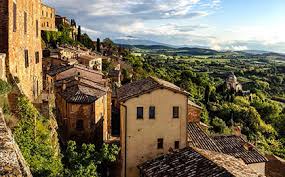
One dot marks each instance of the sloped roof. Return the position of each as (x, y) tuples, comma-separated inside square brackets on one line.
[(197, 137), (233, 165), (232, 145), (183, 163), (235, 146), (145, 85), (80, 90)]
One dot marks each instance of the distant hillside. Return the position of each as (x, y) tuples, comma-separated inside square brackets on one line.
[(136, 41)]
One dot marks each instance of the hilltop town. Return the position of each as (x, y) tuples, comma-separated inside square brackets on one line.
[(72, 106)]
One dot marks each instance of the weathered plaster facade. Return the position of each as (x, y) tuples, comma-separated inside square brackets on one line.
[(20, 37), (139, 137)]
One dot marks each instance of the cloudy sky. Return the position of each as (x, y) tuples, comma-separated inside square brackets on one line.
[(217, 24)]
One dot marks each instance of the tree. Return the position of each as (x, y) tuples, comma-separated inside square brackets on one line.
[(79, 34), (85, 160), (219, 126), (98, 47)]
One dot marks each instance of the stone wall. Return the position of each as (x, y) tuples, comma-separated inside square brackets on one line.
[(2, 67), (12, 163), (30, 77), (4, 26), (48, 18)]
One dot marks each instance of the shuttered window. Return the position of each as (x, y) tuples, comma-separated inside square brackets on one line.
[(26, 58), (37, 57), (175, 112), (151, 112), (139, 112), (25, 22), (37, 28), (14, 17)]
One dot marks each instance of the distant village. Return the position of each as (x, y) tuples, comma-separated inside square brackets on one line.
[(154, 122)]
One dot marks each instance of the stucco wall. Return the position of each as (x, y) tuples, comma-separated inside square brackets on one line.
[(142, 135), (258, 167)]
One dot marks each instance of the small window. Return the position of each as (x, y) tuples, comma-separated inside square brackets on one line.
[(79, 125), (26, 58), (25, 22), (160, 143), (175, 112), (51, 15), (139, 112), (37, 56), (37, 28), (14, 17), (176, 144), (47, 24), (151, 112)]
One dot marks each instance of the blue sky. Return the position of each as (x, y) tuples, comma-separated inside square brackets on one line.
[(216, 24)]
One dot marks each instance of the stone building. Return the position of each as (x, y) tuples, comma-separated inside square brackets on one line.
[(153, 117), (194, 112), (59, 21), (64, 21), (91, 61), (82, 109), (47, 18), (232, 83), (20, 34)]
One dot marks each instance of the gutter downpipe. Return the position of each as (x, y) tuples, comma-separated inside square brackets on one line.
[(126, 111)]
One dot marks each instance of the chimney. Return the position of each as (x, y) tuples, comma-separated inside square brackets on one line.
[(237, 131)]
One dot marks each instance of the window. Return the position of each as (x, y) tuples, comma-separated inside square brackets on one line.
[(26, 58), (79, 125), (160, 143), (42, 13), (47, 24), (37, 56), (14, 17), (46, 14), (25, 22), (37, 28), (176, 144), (51, 15), (175, 112), (139, 112), (151, 112)]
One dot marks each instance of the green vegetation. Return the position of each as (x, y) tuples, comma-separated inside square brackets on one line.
[(262, 120), (32, 134), (4, 87), (84, 160)]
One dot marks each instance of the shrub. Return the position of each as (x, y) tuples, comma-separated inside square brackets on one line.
[(4, 87)]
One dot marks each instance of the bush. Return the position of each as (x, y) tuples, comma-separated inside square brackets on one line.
[(4, 87), (32, 134), (219, 126)]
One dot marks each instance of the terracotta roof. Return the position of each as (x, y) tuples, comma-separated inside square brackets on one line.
[(145, 85), (59, 69), (231, 145), (235, 146), (54, 70), (191, 103), (81, 94), (183, 163), (197, 137), (80, 90), (233, 165)]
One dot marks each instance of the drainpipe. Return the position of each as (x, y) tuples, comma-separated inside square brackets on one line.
[(126, 126)]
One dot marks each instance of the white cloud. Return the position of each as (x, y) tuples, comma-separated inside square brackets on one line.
[(90, 31)]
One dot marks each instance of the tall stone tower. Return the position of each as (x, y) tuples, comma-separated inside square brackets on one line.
[(20, 40)]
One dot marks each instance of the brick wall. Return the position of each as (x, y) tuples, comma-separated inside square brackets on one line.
[(4, 26)]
